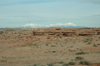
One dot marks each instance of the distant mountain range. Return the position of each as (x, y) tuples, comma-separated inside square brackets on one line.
[(44, 27), (61, 25), (54, 26), (9, 28)]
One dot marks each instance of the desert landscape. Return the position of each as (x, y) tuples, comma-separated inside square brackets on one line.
[(49, 32), (50, 47)]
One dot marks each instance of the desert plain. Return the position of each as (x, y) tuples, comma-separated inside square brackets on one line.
[(50, 47)]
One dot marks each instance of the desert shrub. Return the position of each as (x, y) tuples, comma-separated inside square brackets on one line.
[(53, 51), (1, 32), (98, 52), (79, 58), (88, 39), (5, 38), (91, 39), (74, 42), (89, 43), (71, 63), (69, 50), (51, 64), (53, 46), (94, 45), (43, 65), (47, 44), (84, 63), (65, 64), (36, 65), (20, 37), (79, 53), (61, 62), (98, 44)]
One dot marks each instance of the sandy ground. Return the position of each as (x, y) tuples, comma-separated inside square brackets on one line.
[(21, 48)]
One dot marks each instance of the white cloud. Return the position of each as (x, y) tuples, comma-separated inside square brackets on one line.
[(50, 25)]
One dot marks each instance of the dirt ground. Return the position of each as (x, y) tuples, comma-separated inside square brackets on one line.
[(22, 48)]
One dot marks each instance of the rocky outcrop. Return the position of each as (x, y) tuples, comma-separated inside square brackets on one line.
[(98, 33), (58, 28), (59, 32)]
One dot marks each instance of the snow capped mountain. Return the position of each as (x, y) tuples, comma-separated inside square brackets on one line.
[(66, 25), (61, 25), (50, 25)]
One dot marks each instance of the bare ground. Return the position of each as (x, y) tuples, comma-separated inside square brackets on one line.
[(21, 48)]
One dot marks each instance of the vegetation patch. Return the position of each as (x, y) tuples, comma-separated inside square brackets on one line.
[(88, 39), (61, 62), (65, 64), (47, 44), (53, 46), (71, 63), (79, 58), (53, 51), (1, 32), (51, 64), (36, 65), (84, 63), (89, 43), (94, 45), (80, 53)]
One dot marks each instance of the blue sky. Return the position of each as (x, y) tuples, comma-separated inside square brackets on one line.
[(15, 13)]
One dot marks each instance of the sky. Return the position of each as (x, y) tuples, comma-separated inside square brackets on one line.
[(14, 13)]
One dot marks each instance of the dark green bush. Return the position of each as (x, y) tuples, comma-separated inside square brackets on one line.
[(71, 63), (53, 46), (89, 43), (1, 32), (94, 45), (36, 64), (61, 62), (65, 64), (53, 51), (79, 58), (51, 64), (98, 44), (47, 44), (84, 63), (79, 53)]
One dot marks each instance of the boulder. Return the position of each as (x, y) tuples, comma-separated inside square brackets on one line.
[(58, 28)]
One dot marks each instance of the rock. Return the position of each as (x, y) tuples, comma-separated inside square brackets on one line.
[(58, 28), (57, 32)]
